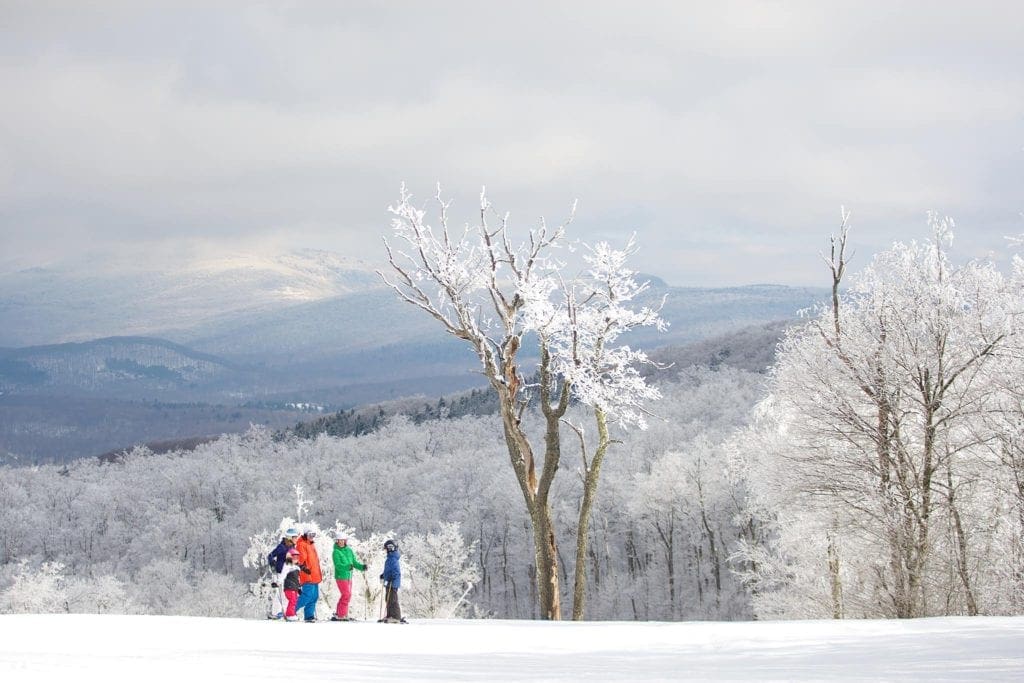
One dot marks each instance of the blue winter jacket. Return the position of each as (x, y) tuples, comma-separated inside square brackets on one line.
[(276, 557), (392, 572)]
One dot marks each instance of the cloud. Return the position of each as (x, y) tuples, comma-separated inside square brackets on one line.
[(293, 124)]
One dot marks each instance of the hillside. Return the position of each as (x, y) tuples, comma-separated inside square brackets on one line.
[(140, 366), (750, 348)]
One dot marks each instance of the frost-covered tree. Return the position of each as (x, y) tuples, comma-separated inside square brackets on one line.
[(870, 438), (491, 293)]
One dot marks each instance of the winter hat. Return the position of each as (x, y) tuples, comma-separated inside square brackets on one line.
[(293, 553), (390, 546), (340, 536)]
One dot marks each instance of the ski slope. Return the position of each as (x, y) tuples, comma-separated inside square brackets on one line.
[(148, 648)]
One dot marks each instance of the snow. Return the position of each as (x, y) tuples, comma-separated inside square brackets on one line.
[(91, 647)]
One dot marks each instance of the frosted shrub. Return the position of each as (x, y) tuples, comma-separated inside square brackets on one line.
[(100, 595), (438, 573), (218, 595), (161, 586), (36, 590)]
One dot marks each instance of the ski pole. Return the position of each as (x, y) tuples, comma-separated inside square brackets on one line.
[(386, 588)]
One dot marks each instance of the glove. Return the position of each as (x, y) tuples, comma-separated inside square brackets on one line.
[(305, 569)]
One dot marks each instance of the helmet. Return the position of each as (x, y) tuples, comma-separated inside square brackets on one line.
[(291, 533), (340, 536), (390, 546)]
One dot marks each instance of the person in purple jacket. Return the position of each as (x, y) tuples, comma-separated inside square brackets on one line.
[(392, 580), (276, 561), (276, 557)]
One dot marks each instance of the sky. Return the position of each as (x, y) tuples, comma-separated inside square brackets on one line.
[(725, 135)]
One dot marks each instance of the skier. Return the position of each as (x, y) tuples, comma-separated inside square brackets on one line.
[(309, 575), (276, 560), (392, 580), (344, 561), (290, 582)]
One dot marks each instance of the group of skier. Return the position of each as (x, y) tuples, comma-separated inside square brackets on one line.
[(296, 576)]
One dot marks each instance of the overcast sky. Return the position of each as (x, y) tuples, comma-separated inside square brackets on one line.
[(727, 135)]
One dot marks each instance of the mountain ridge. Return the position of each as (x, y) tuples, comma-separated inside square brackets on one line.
[(73, 302)]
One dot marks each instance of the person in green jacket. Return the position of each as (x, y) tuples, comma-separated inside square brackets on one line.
[(344, 562)]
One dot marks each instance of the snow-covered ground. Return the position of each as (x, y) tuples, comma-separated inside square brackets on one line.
[(140, 648)]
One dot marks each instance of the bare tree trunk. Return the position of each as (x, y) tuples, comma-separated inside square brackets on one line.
[(891, 519), (922, 518), (1018, 552), (716, 566), (833, 574), (536, 491), (548, 592), (961, 545), (667, 536), (592, 475), (698, 575)]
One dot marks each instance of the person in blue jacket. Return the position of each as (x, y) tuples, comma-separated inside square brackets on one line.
[(392, 580), (276, 561)]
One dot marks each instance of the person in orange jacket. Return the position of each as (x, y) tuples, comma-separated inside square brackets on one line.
[(309, 575)]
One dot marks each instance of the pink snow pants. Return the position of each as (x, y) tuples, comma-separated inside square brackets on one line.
[(345, 587), (293, 597)]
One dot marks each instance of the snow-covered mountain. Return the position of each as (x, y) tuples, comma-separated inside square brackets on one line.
[(152, 294)]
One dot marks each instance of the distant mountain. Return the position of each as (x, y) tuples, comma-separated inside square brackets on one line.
[(696, 313), (263, 339), (356, 324), (294, 307), (152, 295), (314, 330), (137, 367)]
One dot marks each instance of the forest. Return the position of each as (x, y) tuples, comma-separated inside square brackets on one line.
[(167, 533)]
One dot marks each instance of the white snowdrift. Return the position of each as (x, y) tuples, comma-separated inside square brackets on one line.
[(141, 648)]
